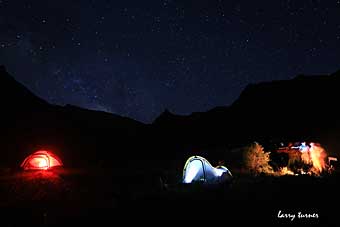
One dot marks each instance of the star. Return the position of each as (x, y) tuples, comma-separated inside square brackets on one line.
[(138, 59)]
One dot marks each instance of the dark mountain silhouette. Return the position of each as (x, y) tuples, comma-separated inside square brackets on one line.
[(304, 108)]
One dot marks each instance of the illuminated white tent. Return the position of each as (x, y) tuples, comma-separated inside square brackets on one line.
[(198, 169)]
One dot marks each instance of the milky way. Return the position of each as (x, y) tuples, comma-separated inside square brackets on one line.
[(136, 58)]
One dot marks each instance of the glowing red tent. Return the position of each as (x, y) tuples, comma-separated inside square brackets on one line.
[(41, 160)]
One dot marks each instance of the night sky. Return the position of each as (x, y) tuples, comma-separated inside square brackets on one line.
[(136, 58)]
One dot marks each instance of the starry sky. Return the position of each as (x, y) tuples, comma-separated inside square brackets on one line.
[(137, 58)]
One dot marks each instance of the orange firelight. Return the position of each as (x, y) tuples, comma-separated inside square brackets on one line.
[(317, 155)]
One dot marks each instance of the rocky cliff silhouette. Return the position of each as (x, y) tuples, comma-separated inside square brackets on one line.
[(304, 108)]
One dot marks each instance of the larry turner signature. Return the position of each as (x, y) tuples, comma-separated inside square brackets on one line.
[(299, 215)]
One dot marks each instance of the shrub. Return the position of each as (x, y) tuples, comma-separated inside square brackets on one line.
[(256, 160)]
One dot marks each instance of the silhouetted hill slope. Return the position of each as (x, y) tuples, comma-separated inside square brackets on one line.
[(15, 96), (81, 135)]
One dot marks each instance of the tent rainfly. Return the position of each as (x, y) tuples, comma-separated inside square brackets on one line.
[(198, 169), (41, 160)]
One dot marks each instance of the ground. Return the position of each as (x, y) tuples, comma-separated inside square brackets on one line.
[(64, 196)]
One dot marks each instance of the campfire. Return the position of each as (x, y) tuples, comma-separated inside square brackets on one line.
[(294, 159), (310, 159)]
